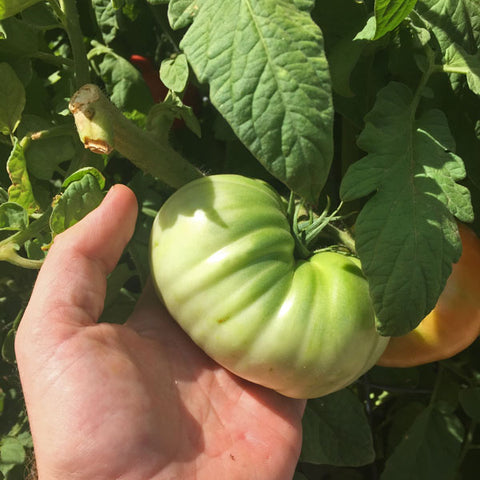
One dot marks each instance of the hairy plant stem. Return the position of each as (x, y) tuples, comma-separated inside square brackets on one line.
[(102, 128), (75, 35)]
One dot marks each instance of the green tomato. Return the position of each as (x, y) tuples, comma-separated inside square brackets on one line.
[(222, 259)]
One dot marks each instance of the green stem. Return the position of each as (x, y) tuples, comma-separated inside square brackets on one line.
[(58, 11), (55, 60), (322, 224), (10, 255), (308, 232), (75, 35), (102, 128), (164, 25), (344, 237), (59, 131), (9, 246), (427, 73)]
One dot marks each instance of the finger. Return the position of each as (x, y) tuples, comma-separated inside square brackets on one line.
[(70, 288)]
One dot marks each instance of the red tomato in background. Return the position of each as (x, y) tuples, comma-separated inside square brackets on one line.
[(151, 76)]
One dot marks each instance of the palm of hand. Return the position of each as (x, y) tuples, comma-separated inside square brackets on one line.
[(140, 401), (159, 408)]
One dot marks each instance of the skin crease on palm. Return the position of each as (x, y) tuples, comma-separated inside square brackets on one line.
[(140, 400)]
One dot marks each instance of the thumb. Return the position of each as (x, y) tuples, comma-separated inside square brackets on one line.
[(70, 287)]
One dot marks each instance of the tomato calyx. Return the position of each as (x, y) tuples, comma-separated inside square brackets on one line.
[(308, 228)]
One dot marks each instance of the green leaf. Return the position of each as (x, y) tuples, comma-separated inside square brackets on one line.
[(79, 174), (8, 347), (12, 99), (41, 15), (368, 31), (25, 437), (120, 309), (306, 5), (470, 402), (162, 115), (106, 15), (8, 8), (453, 21), (343, 60), (456, 60), (13, 216), (174, 73), (269, 78), (125, 85), (182, 12), (336, 431), (138, 247), (46, 152), (340, 22), (430, 449), (21, 189), (389, 14), (79, 198), (130, 8), (405, 235), (20, 39), (119, 303), (11, 451), (419, 29), (405, 414)]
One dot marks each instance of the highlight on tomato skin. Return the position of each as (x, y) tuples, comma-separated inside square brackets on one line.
[(454, 323)]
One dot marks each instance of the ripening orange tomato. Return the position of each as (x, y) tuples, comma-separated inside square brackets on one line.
[(453, 324)]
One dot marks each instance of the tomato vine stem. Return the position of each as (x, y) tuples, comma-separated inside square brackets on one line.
[(103, 128), (71, 22)]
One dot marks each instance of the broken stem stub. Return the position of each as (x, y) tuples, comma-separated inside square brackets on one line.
[(103, 128)]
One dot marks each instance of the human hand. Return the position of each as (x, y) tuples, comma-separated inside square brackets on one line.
[(140, 400)]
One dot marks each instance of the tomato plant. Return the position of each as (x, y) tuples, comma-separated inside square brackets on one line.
[(375, 104), (453, 324), (229, 276)]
